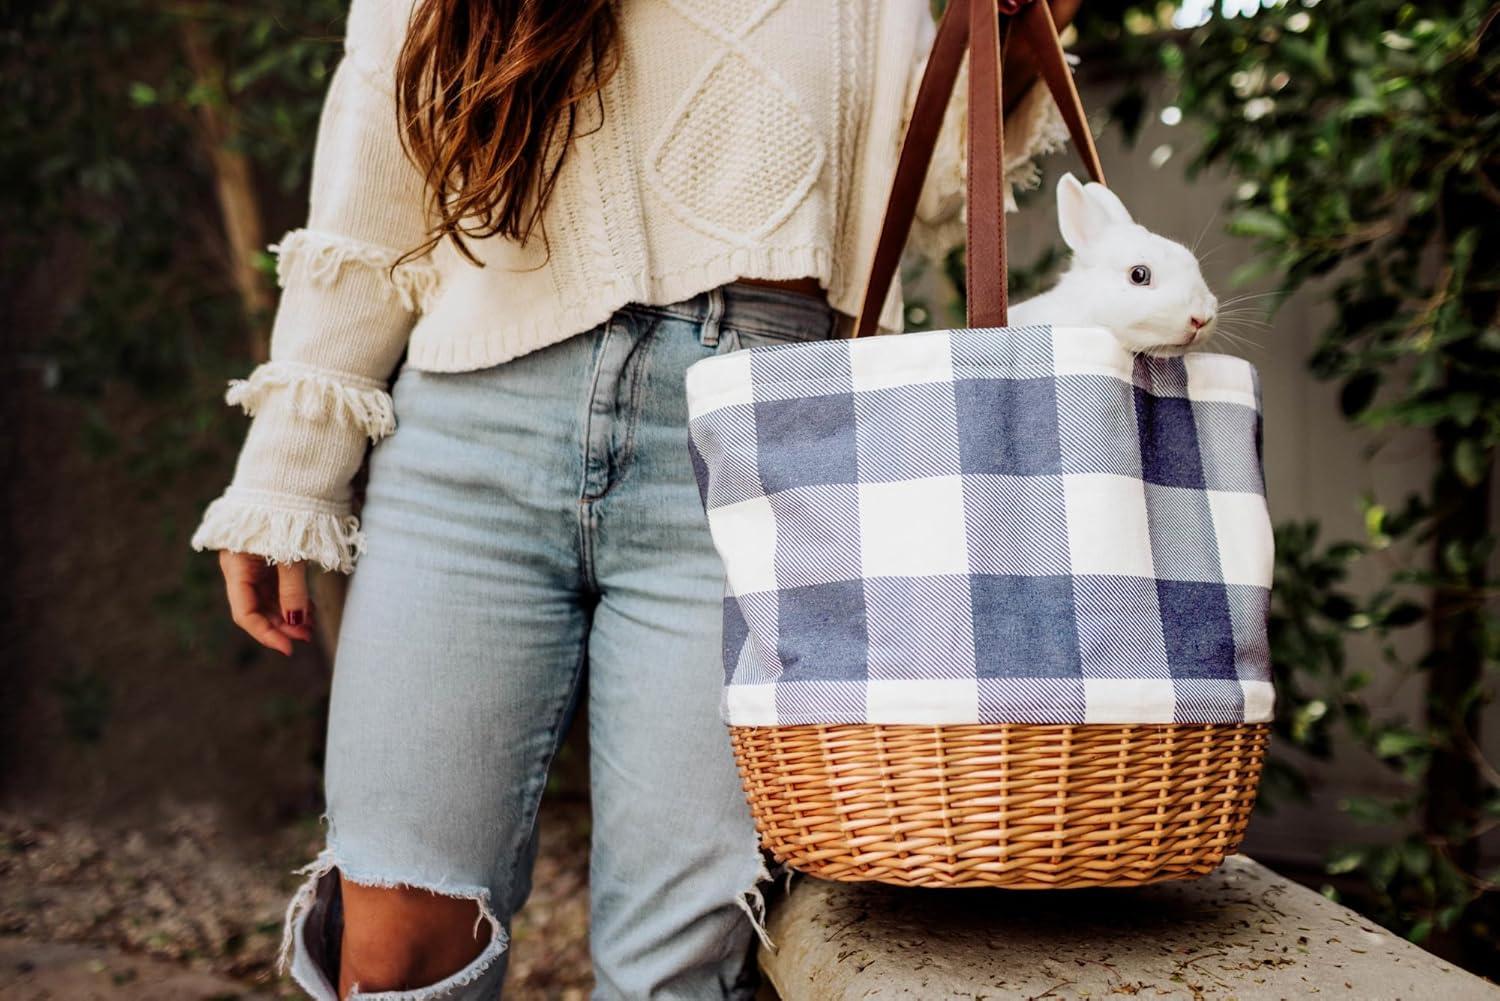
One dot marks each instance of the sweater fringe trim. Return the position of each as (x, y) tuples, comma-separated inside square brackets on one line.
[(325, 255), (1049, 134), (318, 395), (281, 534)]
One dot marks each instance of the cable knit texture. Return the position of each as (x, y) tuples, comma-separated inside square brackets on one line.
[(737, 140)]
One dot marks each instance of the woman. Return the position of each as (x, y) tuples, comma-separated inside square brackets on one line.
[(526, 220)]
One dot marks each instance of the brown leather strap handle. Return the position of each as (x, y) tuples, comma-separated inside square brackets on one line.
[(972, 25), (985, 266)]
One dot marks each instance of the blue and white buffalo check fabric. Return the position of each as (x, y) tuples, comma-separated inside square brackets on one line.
[(1016, 525)]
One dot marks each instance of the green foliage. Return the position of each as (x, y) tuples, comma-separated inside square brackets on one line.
[(115, 244), (1366, 140), (1361, 128), (105, 162)]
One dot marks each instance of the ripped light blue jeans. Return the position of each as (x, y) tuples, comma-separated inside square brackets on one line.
[(525, 524)]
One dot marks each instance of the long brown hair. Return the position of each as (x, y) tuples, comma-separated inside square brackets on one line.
[(487, 101)]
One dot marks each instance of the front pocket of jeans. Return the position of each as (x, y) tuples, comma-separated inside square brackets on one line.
[(736, 338)]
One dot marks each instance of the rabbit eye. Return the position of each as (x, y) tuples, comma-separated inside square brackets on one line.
[(1140, 275)]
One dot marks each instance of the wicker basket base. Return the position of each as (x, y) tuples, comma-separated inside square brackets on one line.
[(1019, 806)]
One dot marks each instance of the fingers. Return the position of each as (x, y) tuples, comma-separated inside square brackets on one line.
[(242, 572), (270, 603), (296, 607)]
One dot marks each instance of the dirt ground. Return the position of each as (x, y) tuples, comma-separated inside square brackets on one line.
[(186, 910)]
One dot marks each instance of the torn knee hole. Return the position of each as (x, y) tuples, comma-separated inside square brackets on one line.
[(315, 925)]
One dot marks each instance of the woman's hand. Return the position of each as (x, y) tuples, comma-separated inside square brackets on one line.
[(268, 601)]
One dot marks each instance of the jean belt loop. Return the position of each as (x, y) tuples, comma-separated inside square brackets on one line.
[(708, 334)]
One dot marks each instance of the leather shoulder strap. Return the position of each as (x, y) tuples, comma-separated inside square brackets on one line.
[(972, 25), (985, 265), (933, 94), (1035, 24)]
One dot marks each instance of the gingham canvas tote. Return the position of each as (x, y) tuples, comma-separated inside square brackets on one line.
[(991, 525), (1014, 525)]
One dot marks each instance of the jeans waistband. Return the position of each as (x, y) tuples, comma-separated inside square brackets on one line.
[(773, 311)]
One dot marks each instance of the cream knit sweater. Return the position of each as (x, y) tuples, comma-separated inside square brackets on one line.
[(738, 139)]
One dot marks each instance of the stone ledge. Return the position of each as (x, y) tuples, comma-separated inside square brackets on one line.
[(1242, 933)]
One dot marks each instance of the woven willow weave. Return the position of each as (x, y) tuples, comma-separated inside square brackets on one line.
[(1010, 805)]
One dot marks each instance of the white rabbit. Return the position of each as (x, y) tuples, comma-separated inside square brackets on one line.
[(1144, 288)]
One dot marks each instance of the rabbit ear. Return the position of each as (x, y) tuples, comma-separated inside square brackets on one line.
[(1108, 203), (1085, 211)]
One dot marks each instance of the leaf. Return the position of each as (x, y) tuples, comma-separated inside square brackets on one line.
[(1363, 107), (1309, 57), (1305, 717), (1455, 560), (1470, 462), (1260, 223), (1370, 810), (1453, 912), (1394, 743), (1416, 858), (1255, 268), (1465, 407)]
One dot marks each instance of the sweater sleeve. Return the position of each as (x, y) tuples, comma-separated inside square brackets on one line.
[(341, 324), (1033, 128)]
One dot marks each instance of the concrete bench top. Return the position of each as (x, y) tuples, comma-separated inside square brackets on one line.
[(1242, 933)]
